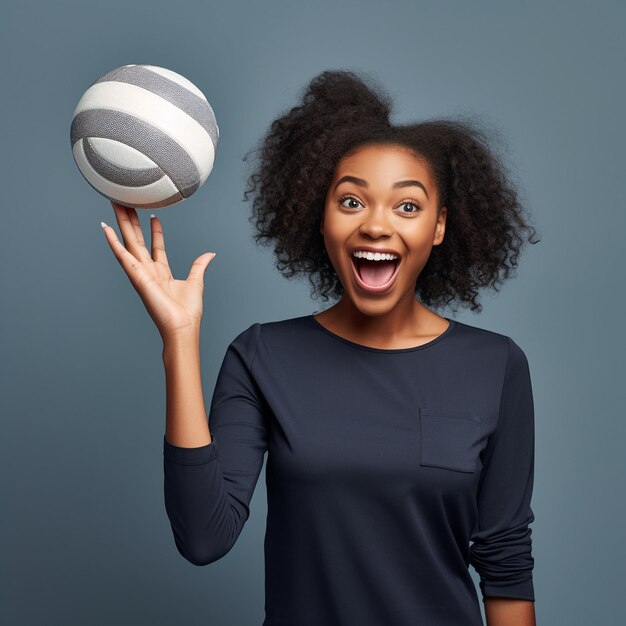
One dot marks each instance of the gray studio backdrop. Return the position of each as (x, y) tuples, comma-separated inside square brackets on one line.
[(85, 537)]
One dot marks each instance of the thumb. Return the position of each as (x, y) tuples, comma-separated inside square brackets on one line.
[(198, 267)]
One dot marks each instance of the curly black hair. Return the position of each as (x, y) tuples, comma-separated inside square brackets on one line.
[(340, 112)]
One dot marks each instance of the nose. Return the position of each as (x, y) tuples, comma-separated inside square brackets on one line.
[(376, 223)]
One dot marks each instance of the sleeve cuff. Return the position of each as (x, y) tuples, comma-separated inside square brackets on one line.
[(190, 456), (523, 590)]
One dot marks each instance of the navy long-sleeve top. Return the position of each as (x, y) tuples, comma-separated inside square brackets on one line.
[(382, 466)]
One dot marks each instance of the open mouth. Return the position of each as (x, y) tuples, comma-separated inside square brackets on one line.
[(375, 276)]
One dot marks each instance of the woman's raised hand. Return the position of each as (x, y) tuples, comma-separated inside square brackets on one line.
[(174, 305)]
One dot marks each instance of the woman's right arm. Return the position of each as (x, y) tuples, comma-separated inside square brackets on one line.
[(208, 483)]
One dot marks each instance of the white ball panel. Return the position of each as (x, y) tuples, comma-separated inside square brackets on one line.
[(120, 154), (177, 78), (205, 174)]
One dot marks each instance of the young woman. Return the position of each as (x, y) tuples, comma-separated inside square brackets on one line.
[(395, 436)]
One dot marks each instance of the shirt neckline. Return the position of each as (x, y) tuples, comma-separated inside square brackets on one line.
[(360, 346)]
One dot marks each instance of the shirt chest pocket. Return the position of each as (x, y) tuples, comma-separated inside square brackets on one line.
[(449, 441)]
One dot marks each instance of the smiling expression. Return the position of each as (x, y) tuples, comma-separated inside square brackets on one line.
[(382, 197)]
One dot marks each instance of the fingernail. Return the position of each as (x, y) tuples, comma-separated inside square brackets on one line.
[(152, 215), (102, 224)]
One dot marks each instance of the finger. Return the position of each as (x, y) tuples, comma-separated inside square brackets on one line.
[(158, 243), (129, 234), (124, 223), (196, 273), (130, 264), (134, 220)]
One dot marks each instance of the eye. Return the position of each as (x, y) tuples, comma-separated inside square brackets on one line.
[(410, 203), (416, 207), (352, 198)]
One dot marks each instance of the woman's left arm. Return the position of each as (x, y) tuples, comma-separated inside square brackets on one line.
[(509, 612), (502, 546)]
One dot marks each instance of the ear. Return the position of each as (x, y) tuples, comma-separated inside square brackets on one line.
[(440, 229)]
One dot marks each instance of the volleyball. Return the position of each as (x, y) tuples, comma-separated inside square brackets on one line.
[(144, 136)]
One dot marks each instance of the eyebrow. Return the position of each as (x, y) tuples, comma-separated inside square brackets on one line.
[(363, 183)]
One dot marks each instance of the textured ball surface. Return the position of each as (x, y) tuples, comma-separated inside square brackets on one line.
[(144, 136)]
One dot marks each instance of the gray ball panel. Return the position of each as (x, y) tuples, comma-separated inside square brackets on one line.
[(146, 138), (120, 175), (187, 101)]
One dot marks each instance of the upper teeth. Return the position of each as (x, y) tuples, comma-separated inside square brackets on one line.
[(374, 256)]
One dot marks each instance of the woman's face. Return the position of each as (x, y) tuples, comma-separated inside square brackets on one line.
[(381, 197)]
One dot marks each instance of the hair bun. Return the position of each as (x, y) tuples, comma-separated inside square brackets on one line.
[(348, 96)]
